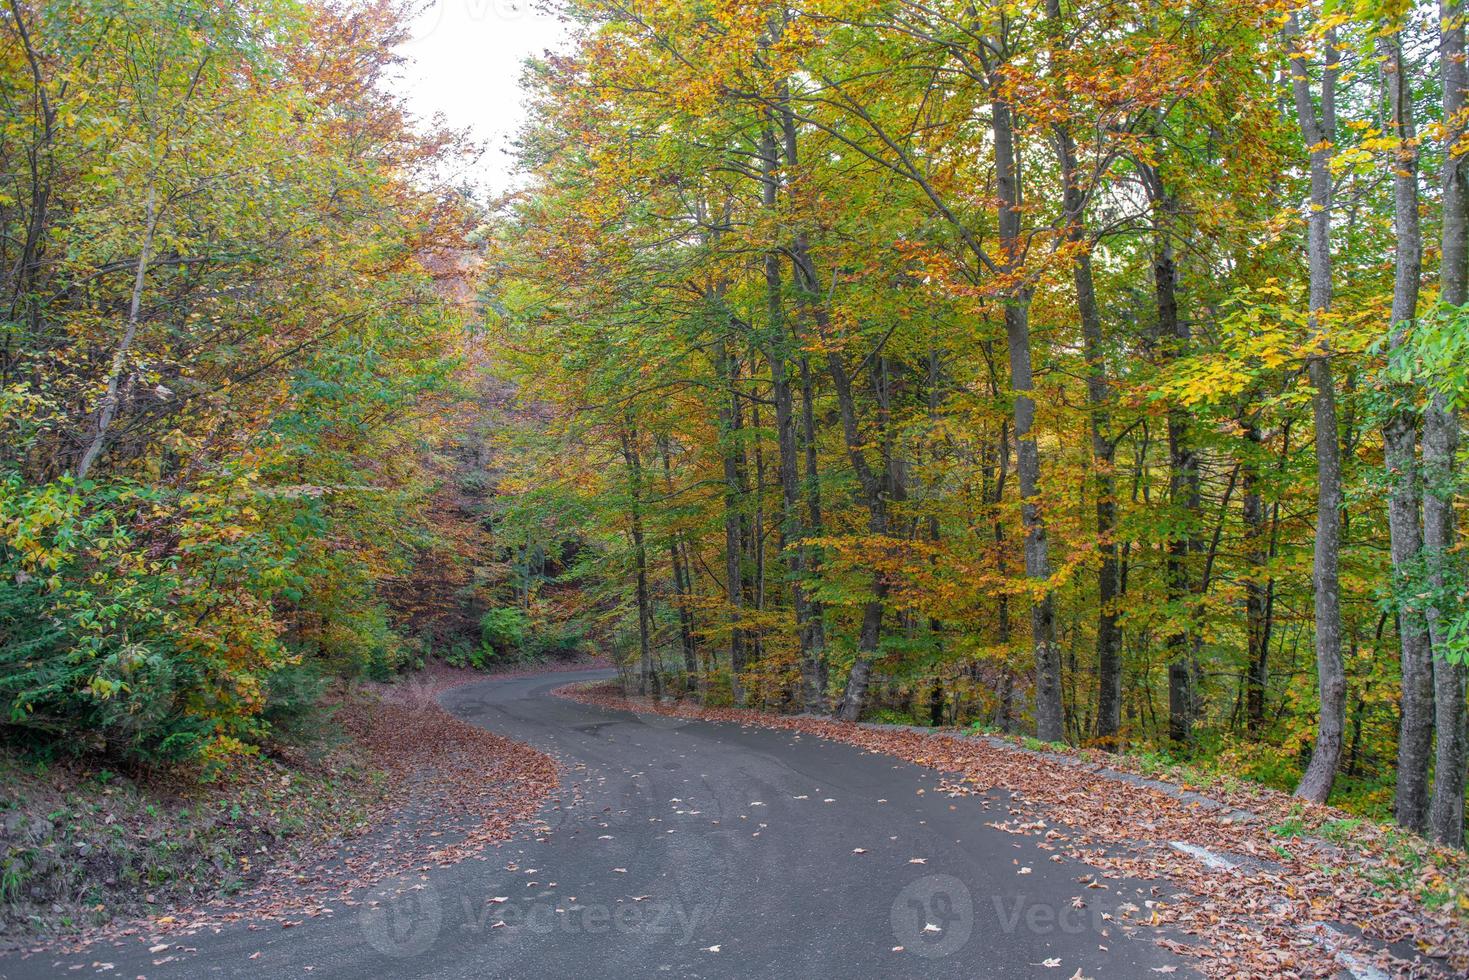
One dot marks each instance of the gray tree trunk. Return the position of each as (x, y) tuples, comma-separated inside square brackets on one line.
[(648, 683), (1318, 133), (682, 585), (1440, 446), (1400, 446), (809, 614), (1104, 482), (1183, 471), (108, 408), (854, 695), (1049, 720), (734, 495), (1257, 635)]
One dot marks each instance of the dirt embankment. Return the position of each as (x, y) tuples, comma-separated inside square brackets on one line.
[(391, 783)]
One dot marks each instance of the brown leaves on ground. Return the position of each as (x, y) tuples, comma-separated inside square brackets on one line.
[(448, 790), (1255, 919)]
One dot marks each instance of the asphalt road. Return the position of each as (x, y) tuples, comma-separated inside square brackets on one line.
[(689, 849)]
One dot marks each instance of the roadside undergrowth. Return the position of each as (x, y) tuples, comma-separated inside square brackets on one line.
[(275, 839)]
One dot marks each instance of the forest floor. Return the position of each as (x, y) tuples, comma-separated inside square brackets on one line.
[(89, 851), (1268, 884)]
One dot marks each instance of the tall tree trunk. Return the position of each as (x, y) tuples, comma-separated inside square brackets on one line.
[(1104, 480), (809, 292), (854, 695), (734, 495), (1440, 446), (1004, 632), (1257, 620), (40, 173), (1184, 496), (1400, 446), (648, 683), (682, 584), (811, 632), (1318, 135), (811, 558), (1048, 706)]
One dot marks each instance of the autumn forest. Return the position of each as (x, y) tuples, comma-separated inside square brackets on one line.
[(1084, 370), (1079, 372)]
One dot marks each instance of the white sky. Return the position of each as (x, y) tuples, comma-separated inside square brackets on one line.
[(465, 61)]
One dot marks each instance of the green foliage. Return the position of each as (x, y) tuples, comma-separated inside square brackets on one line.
[(504, 629), (1435, 355), (890, 716), (552, 640), (107, 646), (223, 316)]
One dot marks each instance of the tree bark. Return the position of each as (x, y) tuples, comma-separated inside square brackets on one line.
[(1257, 619), (41, 169), (648, 683), (1400, 448), (808, 289), (734, 495), (682, 585), (1440, 446), (869, 639), (809, 614), (1318, 134), (1184, 494), (811, 562), (1049, 719), (108, 409), (1104, 480)]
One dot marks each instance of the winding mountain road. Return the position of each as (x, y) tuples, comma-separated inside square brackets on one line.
[(690, 849)]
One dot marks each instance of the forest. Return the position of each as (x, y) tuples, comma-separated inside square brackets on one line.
[(1083, 371)]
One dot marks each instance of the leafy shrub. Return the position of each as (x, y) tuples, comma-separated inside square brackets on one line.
[(504, 628), (465, 654), (564, 639), (158, 658), (293, 704), (891, 716)]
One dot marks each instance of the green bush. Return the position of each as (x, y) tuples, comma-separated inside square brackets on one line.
[(556, 640), (110, 650), (504, 629), (293, 702)]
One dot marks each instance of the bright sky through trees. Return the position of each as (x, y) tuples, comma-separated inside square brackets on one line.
[(465, 60)]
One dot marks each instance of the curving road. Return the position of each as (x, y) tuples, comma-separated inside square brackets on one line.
[(690, 849)]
